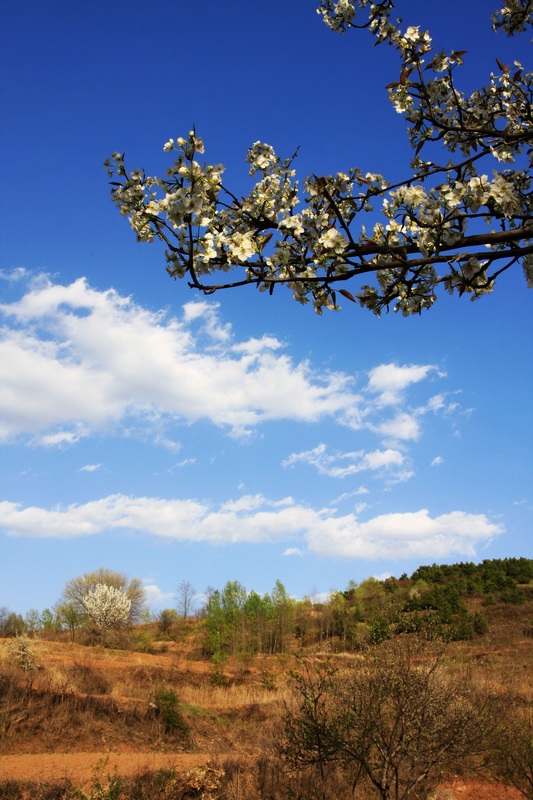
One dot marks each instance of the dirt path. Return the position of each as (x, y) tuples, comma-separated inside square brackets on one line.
[(81, 767)]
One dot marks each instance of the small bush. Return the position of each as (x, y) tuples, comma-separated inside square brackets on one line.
[(167, 705), (143, 642), (480, 624), (22, 651)]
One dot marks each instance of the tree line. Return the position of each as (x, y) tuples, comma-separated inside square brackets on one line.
[(239, 622)]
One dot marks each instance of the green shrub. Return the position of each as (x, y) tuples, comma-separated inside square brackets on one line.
[(167, 706), (479, 624)]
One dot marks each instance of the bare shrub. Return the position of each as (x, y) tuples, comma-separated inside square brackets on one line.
[(514, 753), (88, 679), (397, 722)]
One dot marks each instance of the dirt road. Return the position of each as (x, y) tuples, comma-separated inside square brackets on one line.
[(82, 767)]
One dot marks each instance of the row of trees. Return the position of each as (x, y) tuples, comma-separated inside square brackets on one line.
[(238, 621), (491, 576), (103, 600)]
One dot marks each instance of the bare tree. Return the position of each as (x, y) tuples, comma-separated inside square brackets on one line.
[(397, 721), (185, 599), (515, 751)]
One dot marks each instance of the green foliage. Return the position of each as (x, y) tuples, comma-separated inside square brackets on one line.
[(143, 642), (492, 575), (512, 595), (243, 623), (108, 787), (479, 624), (11, 624), (166, 621), (380, 630), (167, 706)]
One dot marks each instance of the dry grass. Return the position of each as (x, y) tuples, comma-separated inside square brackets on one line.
[(95, 699)]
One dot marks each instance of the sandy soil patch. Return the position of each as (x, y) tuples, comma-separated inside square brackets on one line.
[(81, 767)]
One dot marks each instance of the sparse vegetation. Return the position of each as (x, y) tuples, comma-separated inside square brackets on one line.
[(427, 652)]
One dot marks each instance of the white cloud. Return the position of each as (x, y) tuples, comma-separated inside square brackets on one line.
[(75, 360), (14, 275), (341, 465), (255, 519), (61, 437), (207, 314), (185, 463), (155, 597), (437, 460), (402, 427), (90, 467), (389, 381), (292, 551), (404, 535)]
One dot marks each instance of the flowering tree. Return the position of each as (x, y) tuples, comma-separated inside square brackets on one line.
[(462, 216), (107, 606), (78, 588)]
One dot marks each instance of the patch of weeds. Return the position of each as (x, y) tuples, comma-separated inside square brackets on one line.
[(143, 642), (199, 711), (108, 788), (88, 679), (63, 790), (10, 790), (22, 790)]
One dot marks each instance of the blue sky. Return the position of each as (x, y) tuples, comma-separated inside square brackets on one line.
[(149, 430)]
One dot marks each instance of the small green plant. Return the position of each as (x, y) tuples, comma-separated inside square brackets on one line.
[(268, 679), (218, 660), (479, 624), (167, 705), (102, 788), (143, 642), (380, 630)]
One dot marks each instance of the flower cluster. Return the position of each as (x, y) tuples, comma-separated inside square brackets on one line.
[(458, 221), (107, 606)]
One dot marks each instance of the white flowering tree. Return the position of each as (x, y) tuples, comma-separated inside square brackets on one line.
[(109, 608), (76, 589), (462, 216)]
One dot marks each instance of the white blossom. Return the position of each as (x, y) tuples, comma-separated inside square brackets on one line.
[(334, 240), (429, 231), (107, 606)]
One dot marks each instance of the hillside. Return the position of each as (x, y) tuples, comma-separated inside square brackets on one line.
[(181, 720)]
